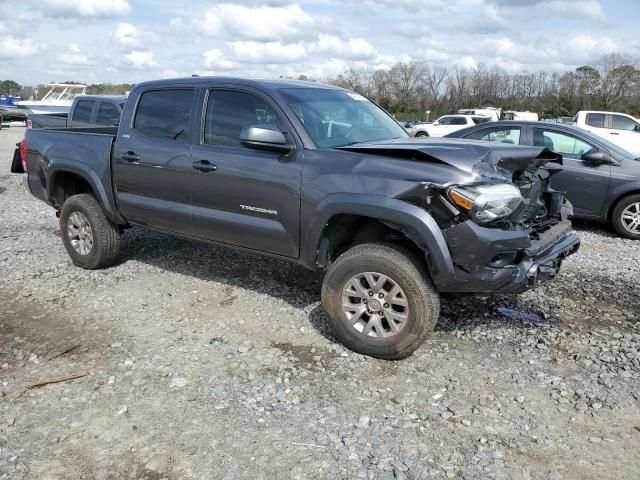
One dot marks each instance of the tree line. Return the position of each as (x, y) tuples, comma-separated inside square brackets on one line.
[(409, 89)]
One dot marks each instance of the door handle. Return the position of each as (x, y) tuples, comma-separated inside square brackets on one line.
[(204, 166), (131, 157), (614, 133)]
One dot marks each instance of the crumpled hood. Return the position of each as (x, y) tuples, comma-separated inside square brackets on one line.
[(489, 160)]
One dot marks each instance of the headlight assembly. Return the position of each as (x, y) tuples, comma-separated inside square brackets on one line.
[(486, 203)]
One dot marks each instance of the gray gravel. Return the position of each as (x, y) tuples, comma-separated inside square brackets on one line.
[(208, 363)]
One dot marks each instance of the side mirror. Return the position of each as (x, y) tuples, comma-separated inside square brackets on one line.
[(436, 123), (263, 137), (596, 157)]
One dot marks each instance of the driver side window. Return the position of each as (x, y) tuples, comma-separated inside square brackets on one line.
[(228, 112), (565, 144)]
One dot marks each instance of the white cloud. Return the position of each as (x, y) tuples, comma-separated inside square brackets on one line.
[(569, 9), (72, 56), (264, 23), (82, 8), (585, 48), (270, 52), (140, 59), (127, 35), (214, 59), (336, 47), (12, 47)]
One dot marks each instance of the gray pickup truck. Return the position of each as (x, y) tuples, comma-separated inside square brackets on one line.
[(85, 111), (316, 175)]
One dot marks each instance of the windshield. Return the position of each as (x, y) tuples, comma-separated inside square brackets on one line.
[(336, 118)]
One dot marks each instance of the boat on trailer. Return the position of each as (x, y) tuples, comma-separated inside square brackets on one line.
[(57, 100)]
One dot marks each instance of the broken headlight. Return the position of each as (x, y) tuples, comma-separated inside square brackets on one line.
[(486, 203)]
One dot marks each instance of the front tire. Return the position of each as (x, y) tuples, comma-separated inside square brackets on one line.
[(380, 300), (626, 217), (91, 239), (422, 134)]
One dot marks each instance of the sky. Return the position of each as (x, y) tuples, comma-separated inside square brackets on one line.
[(96, 41)]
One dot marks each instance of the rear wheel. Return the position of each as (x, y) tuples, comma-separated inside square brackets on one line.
[(91, 239), (380, 300), (626, 217)]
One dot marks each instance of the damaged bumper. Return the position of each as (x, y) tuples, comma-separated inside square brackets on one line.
[(492, 260)]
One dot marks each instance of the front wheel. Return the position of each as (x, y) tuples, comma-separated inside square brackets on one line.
[(422, 134), (626, 217), (380, 300), (91, 239)]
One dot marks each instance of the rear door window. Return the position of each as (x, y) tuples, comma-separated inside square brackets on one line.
[(82, 112), (165, 114), (595, 120), (447, 121), (502, 135), (108, 114)]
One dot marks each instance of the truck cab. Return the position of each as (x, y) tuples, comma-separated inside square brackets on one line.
[(618, 128)]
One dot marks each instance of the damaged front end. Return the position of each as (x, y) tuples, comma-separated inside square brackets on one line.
[(506, 229), (509, 231)]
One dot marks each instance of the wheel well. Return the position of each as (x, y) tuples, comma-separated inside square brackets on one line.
[(615, 203), (345, 231), (67, 184)]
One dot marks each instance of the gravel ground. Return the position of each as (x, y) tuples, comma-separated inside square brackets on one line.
[(206, 363)]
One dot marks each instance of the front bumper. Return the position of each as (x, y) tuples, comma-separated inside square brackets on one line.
[(473, 247)]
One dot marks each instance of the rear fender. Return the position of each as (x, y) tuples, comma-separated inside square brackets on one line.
[(58, 167), (414, 222)]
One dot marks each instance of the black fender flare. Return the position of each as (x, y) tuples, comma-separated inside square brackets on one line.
[(105, 199), (416, 223)]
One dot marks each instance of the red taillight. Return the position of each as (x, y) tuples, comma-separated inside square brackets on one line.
[(23, 154)]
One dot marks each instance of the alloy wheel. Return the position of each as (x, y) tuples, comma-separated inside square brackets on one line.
[(80, 233), (375, 305)]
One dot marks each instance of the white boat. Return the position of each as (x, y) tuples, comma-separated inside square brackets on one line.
[(57, 100)]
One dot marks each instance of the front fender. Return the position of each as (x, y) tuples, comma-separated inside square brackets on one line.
[(414, 222)]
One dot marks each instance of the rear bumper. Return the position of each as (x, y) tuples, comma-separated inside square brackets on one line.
[(473, 248)]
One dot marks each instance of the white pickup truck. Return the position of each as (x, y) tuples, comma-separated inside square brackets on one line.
[(446, 125), (619, 128)]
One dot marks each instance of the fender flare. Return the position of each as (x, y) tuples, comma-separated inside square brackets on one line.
[(624, 189), (416, 223), (105, 200)]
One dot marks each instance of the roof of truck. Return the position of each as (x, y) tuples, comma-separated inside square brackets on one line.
[(255, 82)]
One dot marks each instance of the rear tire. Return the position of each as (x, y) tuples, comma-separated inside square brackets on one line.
[(91, 239), (349, 282), (626, 217)]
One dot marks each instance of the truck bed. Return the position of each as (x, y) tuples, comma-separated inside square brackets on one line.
[(84, 151), (45, 120)]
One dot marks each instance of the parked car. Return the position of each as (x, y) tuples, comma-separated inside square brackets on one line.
[(601, 180), (85, 111), (447, 124), (391, 220), (618, 128)]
